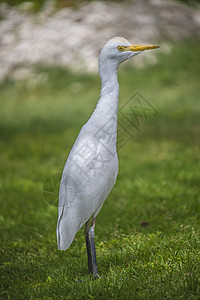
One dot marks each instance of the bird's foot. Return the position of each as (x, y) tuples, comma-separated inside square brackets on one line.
[(96, 276)]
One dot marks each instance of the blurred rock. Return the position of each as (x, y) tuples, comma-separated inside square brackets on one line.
[(73, 37)]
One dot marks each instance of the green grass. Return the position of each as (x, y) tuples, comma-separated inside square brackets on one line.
[(158, 183)]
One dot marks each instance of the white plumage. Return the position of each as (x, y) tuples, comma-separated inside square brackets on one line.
[(92, 165)]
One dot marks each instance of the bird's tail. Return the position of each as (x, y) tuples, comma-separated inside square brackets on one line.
[(66, 229)]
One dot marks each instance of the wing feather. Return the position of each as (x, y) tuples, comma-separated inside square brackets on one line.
[(88, 177)]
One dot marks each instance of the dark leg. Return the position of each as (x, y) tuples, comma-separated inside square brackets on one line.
[(87, 228), (91, 253)]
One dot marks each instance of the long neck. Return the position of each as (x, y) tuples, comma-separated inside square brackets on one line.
[(108, 102), (104, 117)]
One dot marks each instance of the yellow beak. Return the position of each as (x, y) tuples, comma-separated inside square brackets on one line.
[(135, 48)]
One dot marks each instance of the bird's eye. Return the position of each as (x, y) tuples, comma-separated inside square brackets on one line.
[(120, 48)]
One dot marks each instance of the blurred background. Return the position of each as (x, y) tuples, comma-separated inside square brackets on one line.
[(49, 86), (71, 33)]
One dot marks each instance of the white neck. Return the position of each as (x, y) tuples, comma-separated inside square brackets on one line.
[(107, 105), (104, 118)]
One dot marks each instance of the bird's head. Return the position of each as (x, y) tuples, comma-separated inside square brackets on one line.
[(118, 49)]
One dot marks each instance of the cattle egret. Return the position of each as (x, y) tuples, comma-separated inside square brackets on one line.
[(91, 168)]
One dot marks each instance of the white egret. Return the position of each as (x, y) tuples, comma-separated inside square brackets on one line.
[(91, 168)]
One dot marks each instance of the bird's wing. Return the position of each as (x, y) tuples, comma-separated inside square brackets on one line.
[(88, 177)]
